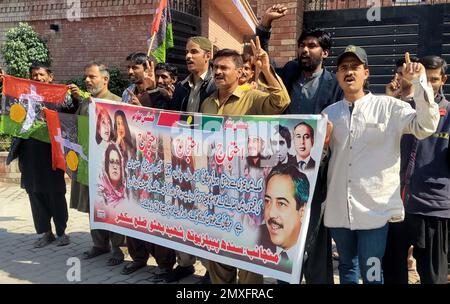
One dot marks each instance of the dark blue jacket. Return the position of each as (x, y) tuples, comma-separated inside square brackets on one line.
[(180, 96), (328, 91), (429, 192)]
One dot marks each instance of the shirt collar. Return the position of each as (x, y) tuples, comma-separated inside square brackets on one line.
[(238, 93), (291, 252), (438, 98), (191, 79), (358, 101), (314, 75), (306, 160), (107, 93)]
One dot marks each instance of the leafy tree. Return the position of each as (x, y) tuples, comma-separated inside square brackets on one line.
[(23, 46)]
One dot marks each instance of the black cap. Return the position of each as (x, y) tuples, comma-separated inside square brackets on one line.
[(359, 52)]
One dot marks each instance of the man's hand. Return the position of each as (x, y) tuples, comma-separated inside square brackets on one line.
[(274, 12), (170, 89), (74, 90), (394, 88), (261, 58), (149, 75), (134, 99), (412, 70)]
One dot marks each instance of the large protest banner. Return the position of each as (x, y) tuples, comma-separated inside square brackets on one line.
[(236, 190)]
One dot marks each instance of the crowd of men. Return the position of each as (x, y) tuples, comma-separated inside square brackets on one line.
[(383, 188)]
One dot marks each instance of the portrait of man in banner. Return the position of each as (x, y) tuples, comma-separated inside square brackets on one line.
[(280, 144), (304, 142), (285, 199), (231, 204)]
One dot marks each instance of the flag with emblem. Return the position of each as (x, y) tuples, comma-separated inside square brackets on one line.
[(69, 137), (161, 32), (22, 104)]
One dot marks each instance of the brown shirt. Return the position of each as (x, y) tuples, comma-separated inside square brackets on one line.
[(249, 102)]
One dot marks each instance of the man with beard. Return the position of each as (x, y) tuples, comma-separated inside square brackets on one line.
[(312, 88), (96, 79), (143, 91)]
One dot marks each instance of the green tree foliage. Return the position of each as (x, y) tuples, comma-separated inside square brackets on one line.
[(23, 46)]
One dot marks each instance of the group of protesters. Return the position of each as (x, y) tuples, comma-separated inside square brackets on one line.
[(383, 188)]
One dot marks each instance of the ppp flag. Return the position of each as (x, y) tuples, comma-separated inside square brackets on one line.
[(22, 103)]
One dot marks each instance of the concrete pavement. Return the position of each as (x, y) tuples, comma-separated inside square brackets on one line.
[(21, 263)]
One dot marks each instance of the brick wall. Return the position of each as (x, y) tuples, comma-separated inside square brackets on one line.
[(254, 5), (108, 30), (285, 31)]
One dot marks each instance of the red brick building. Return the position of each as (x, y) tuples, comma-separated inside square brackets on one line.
[(108, 30)]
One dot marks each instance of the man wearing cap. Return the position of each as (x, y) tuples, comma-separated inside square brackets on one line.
[(188, 96), (312, 88), (199, 84), (363, 194)]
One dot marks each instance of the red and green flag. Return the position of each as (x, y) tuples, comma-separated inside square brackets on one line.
[(161, 31), (69, 135), (22, 104)]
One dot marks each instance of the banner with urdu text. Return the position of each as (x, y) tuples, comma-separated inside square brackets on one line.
[(236, 190)]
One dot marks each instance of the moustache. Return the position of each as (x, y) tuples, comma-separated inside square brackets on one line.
[(272, 221)]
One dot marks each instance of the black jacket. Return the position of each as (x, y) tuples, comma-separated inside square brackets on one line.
[(180, 96), (328, 91)]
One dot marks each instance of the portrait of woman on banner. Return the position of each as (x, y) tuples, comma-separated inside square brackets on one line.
[(126, 142), (104, 134), (112, 183), (123, 137)]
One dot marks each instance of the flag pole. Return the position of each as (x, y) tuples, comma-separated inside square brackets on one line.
[(151, 44)]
